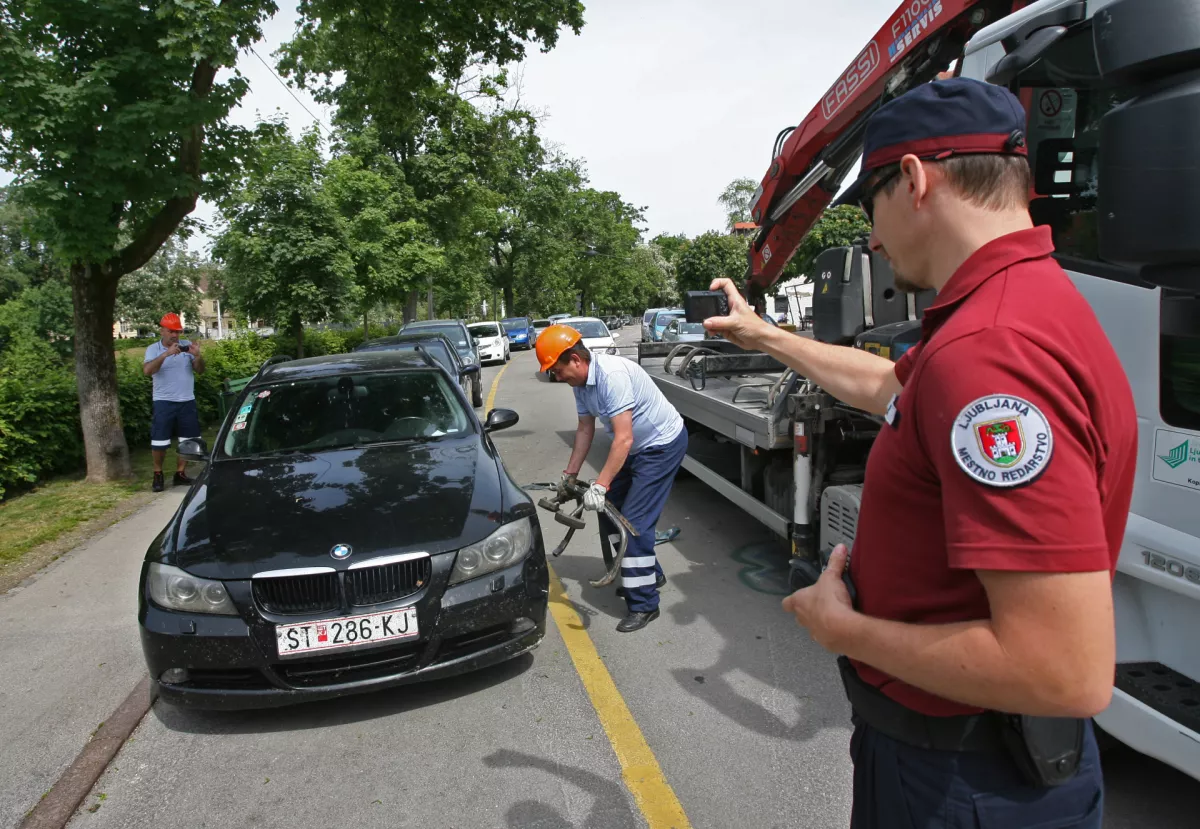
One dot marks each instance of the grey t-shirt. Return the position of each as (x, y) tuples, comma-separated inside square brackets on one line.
[(174, 380)]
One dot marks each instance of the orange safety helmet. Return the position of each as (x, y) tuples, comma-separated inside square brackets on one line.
[(171, 322), (552, 342)]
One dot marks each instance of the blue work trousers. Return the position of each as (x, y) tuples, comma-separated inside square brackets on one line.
[(900, 786), (639, 492)]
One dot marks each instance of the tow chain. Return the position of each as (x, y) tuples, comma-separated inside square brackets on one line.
[(574, 521)]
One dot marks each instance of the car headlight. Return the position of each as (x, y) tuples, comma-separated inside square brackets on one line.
[(503, 548), (173, 589)]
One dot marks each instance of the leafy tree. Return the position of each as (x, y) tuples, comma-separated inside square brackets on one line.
[(24, 260), (735, 199), (170, 281), (114, 122), (286, 250), (837, 226), (672, 246), (711, 256)]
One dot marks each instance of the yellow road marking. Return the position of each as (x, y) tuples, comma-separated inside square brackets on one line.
[(495, 386), (639, 768)]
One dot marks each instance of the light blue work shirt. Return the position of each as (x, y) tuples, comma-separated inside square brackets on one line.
[(174, 379), (616, 385)]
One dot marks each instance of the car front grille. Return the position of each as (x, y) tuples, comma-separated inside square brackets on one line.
[(351, 667), (309, 593), (388, 582), (306, 593)]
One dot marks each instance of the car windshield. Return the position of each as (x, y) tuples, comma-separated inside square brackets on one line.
[(691, 328), (542, 323), (453, 332), (664, 319), (590, 329), (484, 329), (346, 410), (515, 325)]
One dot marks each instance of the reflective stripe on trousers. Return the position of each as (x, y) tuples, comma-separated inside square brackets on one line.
[(639, 492)]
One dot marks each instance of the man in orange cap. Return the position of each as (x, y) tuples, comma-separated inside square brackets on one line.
[(172, 364), (648, 445)]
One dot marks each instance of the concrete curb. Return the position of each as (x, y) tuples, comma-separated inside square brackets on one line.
[(55, 810)]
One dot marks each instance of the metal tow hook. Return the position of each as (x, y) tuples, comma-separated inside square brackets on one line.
[(574, 521)]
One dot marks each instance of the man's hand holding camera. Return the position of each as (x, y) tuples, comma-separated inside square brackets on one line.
[(742, 327), (825, 608)]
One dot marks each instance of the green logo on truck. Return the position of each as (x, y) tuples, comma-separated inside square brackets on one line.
[(1177, 457)]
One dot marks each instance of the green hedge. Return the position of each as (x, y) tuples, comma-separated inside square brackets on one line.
[(40, 433)]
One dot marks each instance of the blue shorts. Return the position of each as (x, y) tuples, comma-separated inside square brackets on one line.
[(173, 419)]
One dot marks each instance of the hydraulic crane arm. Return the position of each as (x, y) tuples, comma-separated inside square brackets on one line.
[(920, 40)]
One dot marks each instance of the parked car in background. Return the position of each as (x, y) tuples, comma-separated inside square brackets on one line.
[(438, 347), (648, 323), (538, 327), (557, 318), (679, 330), (520, 332), (491, 341), (661, 319), (353, 530), (456, 331), (594, 332)]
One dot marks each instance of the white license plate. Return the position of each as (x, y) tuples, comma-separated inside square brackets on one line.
[(352, 631)]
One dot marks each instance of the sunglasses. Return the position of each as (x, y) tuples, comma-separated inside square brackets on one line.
[(867, 200)]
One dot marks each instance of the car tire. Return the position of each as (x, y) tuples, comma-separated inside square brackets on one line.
[(477, 393)]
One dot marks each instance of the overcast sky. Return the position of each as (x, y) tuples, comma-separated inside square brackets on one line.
[(666, 101)]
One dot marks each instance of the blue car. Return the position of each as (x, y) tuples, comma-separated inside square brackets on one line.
[(661, 320), (520, 332)]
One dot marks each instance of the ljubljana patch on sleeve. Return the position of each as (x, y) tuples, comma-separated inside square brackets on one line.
[(1001, 440)]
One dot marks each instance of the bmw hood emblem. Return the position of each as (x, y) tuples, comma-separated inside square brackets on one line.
[(341, 551)]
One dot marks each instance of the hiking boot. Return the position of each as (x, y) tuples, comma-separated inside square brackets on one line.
[(157, 486), (181, 479), (636, 621), (659, 582)]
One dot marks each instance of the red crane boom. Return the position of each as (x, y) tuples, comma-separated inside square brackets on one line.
[(919, 40)]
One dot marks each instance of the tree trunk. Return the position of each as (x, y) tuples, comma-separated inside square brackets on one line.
[(94, 294), (366, 327), (508, 301), (298, 330), (410, 307), (432, 309)]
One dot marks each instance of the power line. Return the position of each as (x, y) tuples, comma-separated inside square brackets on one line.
[(282, 83)]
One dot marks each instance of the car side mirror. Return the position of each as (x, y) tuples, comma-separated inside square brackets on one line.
[(498, 419), (193, 449), (471, 369)]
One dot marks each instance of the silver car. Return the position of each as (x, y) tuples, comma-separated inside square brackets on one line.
[(680, 330)]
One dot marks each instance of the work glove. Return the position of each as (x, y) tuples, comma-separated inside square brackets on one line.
[(564, 483), (593, 499)]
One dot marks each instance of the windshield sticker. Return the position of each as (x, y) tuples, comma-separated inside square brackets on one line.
[(263, 394), (241, 418), (246, 409), (237, 427)]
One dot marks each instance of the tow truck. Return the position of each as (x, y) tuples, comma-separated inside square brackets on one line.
[(1112, 92)]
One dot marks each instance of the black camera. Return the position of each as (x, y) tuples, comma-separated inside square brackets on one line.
[(700, 305)]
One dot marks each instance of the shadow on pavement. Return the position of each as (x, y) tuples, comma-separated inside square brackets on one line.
[(610, 809), (343, 710)]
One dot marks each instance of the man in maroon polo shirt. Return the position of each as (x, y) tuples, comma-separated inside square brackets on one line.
[(995, 497)]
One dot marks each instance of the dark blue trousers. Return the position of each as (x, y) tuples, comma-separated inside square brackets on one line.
[(899, 786), (639, 492)]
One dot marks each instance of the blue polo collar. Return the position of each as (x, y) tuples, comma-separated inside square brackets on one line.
[(591, 381)]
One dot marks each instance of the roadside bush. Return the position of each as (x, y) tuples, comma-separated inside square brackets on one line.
[(39, 415), (135, 391)]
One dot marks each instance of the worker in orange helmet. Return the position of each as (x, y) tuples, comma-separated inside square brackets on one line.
[(173, 364), (648, 445)]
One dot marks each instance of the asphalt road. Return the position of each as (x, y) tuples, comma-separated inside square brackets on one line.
[(744, 714)]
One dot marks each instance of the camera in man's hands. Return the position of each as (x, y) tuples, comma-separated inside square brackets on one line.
[(700, 305)]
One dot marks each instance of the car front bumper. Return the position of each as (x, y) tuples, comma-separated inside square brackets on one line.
[(232, 663), (522, 342)]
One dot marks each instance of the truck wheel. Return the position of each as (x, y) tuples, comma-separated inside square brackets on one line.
[(477, 394)]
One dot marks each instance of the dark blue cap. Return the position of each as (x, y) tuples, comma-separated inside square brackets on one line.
[(957, 116)]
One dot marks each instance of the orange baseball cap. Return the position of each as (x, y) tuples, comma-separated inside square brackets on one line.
[(171, 322)]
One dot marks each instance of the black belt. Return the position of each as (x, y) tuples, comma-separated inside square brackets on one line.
[(972, 732)]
